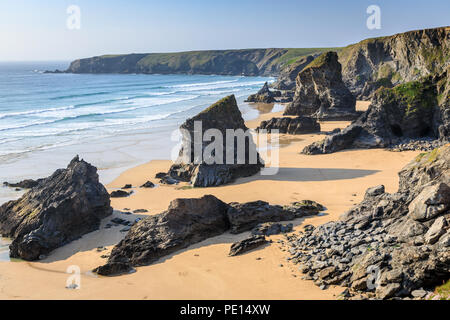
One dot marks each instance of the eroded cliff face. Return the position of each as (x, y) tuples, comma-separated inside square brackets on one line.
[(393, 60)]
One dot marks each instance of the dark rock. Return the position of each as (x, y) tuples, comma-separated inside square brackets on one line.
[(245, 216), (127, 186), (168, 180), (271, 228), (299, 125), (113, 269), (120, 194), (148, 184), (395, 117), (320, 91), (160, 175), (61, 208), (187, 221), (221, 116), (264, 95), (140, 211), (247, 245), (25, 184)]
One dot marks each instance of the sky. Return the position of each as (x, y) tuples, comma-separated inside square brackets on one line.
[(37, 30)]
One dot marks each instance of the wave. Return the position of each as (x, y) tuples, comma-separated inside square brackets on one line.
[(37, 111)]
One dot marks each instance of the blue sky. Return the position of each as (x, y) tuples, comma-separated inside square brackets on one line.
[(36, 29)]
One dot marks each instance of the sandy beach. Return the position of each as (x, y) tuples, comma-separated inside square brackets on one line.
[(204, 271)]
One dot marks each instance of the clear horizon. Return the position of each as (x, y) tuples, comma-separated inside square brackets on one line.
[(38, 32)]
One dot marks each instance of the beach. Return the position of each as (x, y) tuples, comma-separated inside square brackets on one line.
[(204, 270)]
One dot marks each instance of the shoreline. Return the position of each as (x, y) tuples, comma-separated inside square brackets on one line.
[(204, 271)]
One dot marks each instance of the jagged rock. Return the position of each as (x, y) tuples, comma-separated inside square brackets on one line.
[(389, 243), (127, 186), (205, 172), (245, 216), (160, 175), (408, 111), (245, 245), (148, 184), (436, 230), (264, 95), (299, 125), (186, 221), (61, 208), (287, 76), (320, 91), (393, 60), (271, 228), (120, 194), (168, 180), (25, 184)]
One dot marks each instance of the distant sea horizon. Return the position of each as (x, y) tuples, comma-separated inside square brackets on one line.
[(114, 121)]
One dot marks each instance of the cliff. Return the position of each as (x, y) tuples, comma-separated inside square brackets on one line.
[(249, 62)]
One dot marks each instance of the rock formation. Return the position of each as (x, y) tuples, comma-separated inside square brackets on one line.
[(298, 125), (221, 116), (389, 244), (394, 59), (61, 208), (264, 95), (412, 110), (320, 91), (287, 76), (188, 221), (246, 245), (24, 184)]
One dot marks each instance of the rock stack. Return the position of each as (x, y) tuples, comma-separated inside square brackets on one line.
[(321, 93), (221, 116), (59, 209)]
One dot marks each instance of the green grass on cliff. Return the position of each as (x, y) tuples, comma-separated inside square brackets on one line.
[(292, 55)]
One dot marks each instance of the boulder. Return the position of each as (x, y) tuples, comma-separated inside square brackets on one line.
[(148, 184), (320, 91), (298, 125), (271, 228), (201, 169), (185, 222), (120, 194), (61, 208), (246, 245), (436, 230)]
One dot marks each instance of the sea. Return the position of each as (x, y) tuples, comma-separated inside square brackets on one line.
[(114, 121)]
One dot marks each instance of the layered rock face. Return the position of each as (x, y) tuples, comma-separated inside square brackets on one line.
[(221, 116), (320, 91), (61, 208), (413, 110), (389, 244), (286, 78), (188, 221), (394, 59), (299, 125), (264, 95)]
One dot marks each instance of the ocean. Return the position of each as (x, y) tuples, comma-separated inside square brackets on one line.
[(114, 121)]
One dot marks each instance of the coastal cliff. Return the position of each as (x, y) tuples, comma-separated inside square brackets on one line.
[(248, 62)]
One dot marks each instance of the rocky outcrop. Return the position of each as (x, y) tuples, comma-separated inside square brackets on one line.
[(61, 208), (414, 110), (264, 95), (394, 59), (390, 244), (246, 245), (201, 169), (320, 91), (188, 221), (288, 74), (298, 125), (271, 228), (246, 216)]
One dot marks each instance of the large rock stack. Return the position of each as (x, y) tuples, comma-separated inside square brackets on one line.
[(222, 115), (59, 209), (320, 91), (390, 244)]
